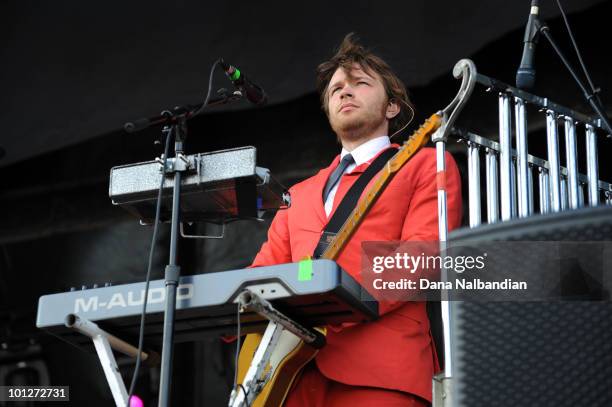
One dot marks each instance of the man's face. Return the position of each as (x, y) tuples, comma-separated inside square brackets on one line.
[(357, 103)]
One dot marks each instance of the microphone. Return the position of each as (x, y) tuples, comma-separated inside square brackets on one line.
[(254, 93), (525, 76)]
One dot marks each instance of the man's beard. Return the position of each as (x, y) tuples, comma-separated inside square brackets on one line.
[(355, 128)]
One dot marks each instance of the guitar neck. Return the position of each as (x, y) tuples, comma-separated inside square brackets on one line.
[(410, 147)]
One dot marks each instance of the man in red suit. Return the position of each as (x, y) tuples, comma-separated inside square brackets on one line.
[(391, 361)]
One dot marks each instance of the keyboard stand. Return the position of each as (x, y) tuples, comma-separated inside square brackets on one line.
[(104, 344), (280, 325)]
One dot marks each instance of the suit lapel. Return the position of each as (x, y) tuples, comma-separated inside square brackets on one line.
[(316, 198)]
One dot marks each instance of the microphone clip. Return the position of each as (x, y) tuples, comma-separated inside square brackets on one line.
[(532, 34)]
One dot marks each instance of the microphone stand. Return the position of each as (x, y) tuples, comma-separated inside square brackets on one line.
[(589, 96), (168, 117), (173, 270), (175, 124)]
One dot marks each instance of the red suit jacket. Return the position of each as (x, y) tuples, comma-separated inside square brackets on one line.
[(395, 351)]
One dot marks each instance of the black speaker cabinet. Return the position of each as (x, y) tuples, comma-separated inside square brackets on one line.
[(535, 353)]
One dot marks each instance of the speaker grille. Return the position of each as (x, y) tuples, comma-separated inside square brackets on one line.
[(534, 353)]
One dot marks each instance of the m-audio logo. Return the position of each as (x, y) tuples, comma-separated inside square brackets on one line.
[(129, 299)]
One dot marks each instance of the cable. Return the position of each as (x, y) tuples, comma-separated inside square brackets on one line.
[(210, 78), (237, 345), (588, 96), (149, 266), (571, 35), (245, 395), (407, 123), (246, 398), (592, 97)]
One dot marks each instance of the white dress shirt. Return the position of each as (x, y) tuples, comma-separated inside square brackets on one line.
[(361, 154)]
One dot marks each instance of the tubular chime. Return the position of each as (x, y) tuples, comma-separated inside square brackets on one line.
[(509, 168)]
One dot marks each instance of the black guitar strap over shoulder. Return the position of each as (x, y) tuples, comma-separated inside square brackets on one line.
[(350, 201)]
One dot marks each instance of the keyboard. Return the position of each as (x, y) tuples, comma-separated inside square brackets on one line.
[(312, 293)]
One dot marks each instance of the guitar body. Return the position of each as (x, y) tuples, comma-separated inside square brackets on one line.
[(287, 360)]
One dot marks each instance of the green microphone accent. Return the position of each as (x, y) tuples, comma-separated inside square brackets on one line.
[(236, 75)]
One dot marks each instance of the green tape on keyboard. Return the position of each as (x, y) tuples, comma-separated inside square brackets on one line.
[(305, 270)]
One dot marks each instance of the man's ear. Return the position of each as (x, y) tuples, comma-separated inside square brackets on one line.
[(393, 109)]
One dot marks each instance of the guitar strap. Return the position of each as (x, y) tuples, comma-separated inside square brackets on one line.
[(350, 200)]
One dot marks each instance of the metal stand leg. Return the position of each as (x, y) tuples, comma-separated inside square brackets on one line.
[(111, 370), (466, 69), (104, 343), (442, 391), (442, 382), (256, 377)]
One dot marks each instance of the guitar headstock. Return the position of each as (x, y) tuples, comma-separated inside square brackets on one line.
[(417, 140), (420, 137)]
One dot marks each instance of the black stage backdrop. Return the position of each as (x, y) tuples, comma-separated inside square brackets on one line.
[(73, 72)]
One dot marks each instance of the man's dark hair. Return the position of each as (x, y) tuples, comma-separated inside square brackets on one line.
[(351, 52)]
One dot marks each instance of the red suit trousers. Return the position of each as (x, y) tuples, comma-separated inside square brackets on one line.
[(312, 389)]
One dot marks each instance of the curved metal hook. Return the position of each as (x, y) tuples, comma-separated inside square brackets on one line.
[(466, 70)]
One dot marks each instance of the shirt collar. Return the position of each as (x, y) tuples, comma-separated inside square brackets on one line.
[(367, 150)]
